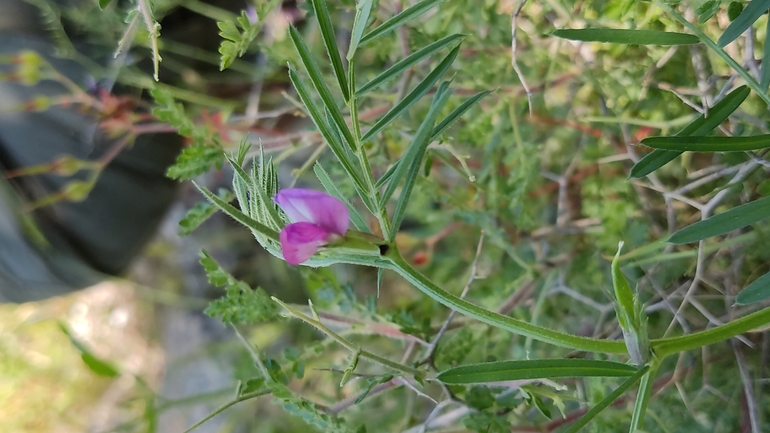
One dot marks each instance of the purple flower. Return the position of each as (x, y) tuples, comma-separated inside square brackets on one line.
[(317, 219)]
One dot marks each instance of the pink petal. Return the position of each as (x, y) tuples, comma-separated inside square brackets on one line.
[(299, 241), (307, 205)]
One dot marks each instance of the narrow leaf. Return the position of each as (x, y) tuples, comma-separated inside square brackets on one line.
[(238, 215), (534, 369), (607, 401), (330, 41), (709, 144), (334, 144), (332, 189), (363, 12), (764, 79), (750, 14), (725, 222), (407, 63), (411, 162), (320, 85), (627, 37), (399, 20), (201, 212), (386, 177), (457, 112), (414, 96), (757, 291), (702, 125)]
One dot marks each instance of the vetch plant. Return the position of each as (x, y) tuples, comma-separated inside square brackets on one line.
[(317, 234), (318, 219)]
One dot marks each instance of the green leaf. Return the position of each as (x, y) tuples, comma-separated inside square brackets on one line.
[(195, 160), (328, 134), (238, 215), (709, 144), (363, 12), (734, 9), (235, 43), (104, 3), (399, 20), (750, 14), (330, 41), (457, 112), (725, 222), (320, 86), (627, 37), (702, 125), (102, 368), (764, 79), (332, 189), (757, 291), (607, 401), (409, 164), (241, 303), (413, 96), (707, 10), (199, 213), (407, 63), (308, 411), (533, 369), (624, 296), (95, 364)]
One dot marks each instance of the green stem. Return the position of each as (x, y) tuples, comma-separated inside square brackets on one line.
[(667, 346), (643, 397), (607, 401), (374, 194), (750, 81), (350, 346), (224, 407), (399, 265)]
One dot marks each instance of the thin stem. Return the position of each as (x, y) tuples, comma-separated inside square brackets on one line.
[(399, 265), (750, 81), (349, 345), (433, 344), (374, 194), (227, 405), (640, 407)]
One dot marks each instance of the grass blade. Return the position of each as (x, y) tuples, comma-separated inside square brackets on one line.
[(320, 85), (750, 14), (607, 401), (534, 369), (709, 144), (407, 63), (410, 163), (399, 20), (764, 78), (332, 189), (725, 222), (238, 215), (330, 41), (457, 112), (702, 125), (627, 37), (335, 144), (363, 12), (757, 291), (414, 96)]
